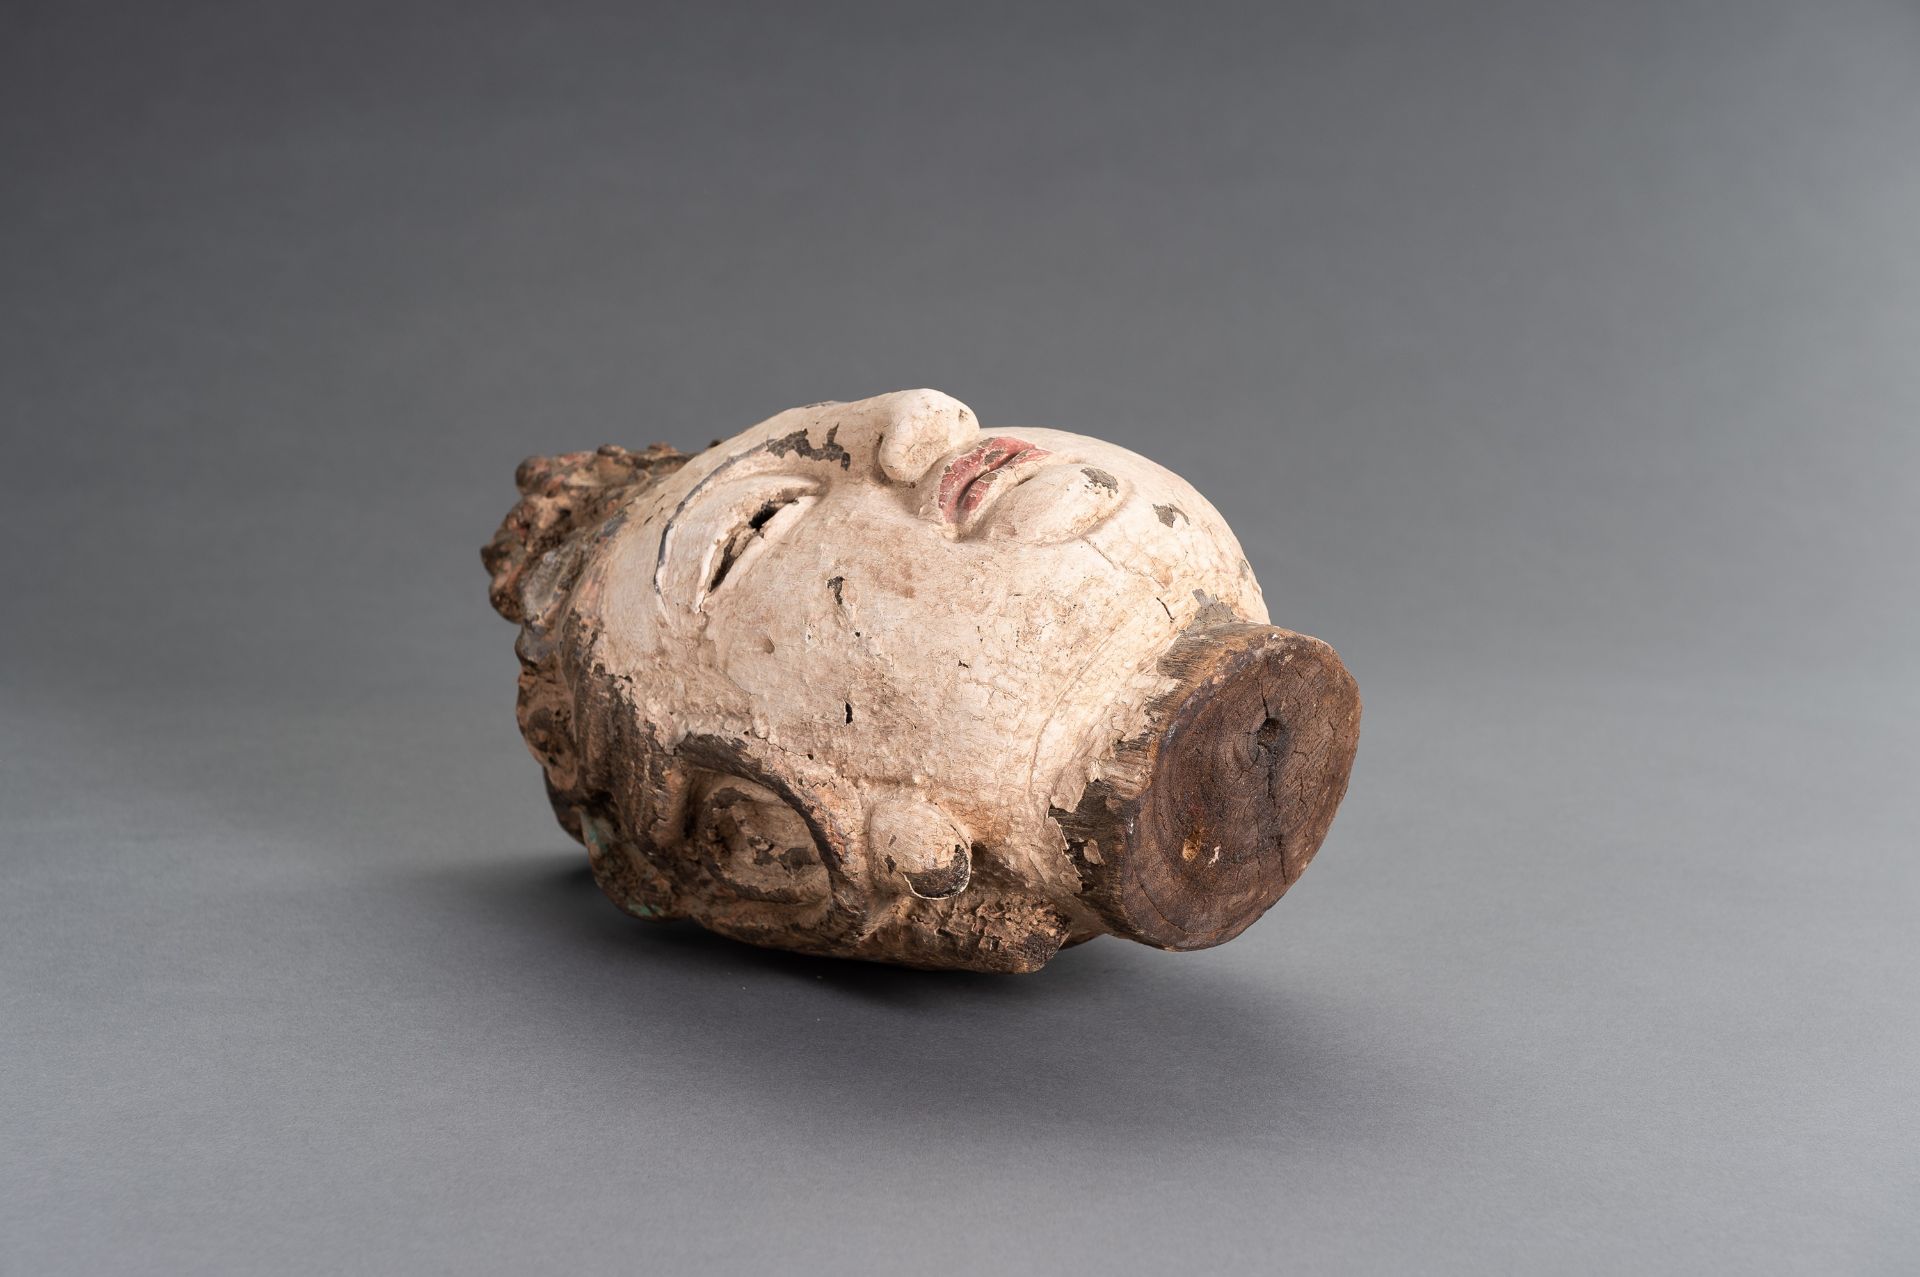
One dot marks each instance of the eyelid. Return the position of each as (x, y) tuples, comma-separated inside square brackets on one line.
[(730, 556), (698, 559)]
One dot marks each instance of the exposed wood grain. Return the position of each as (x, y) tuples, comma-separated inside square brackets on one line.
[(1228, 790)]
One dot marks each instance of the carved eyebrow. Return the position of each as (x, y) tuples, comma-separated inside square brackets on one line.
[(797, 442)]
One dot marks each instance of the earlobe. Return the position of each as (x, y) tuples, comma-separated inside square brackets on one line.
[(920, 844)]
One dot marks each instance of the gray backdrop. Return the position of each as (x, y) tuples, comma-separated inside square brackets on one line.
[(1558, 363)]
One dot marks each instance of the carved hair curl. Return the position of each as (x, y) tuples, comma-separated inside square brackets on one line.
[(566, 505)]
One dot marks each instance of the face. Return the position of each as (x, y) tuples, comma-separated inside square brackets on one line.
[(874, 657)]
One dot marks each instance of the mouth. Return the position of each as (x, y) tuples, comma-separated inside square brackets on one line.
[(971, 476)]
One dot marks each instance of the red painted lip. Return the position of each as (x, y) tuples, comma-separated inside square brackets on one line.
[(968, 478)]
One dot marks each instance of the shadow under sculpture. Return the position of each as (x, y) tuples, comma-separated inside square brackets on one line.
[(866, 681)]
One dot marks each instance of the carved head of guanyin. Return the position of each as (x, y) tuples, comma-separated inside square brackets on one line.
[(868, 680)]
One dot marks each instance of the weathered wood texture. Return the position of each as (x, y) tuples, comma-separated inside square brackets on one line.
[(1209, 813), (864, 681)]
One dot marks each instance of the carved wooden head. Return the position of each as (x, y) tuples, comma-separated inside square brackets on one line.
[(867, 680)]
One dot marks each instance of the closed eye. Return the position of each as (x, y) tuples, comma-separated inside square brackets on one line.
[(729, 528), (745, 536)]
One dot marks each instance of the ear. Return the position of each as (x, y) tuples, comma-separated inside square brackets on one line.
[(563, 499)]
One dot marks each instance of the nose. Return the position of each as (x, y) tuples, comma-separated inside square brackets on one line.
[(1211, 809), (921, 427)]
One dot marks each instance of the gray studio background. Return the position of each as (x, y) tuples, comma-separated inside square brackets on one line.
[(1558, 363)]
